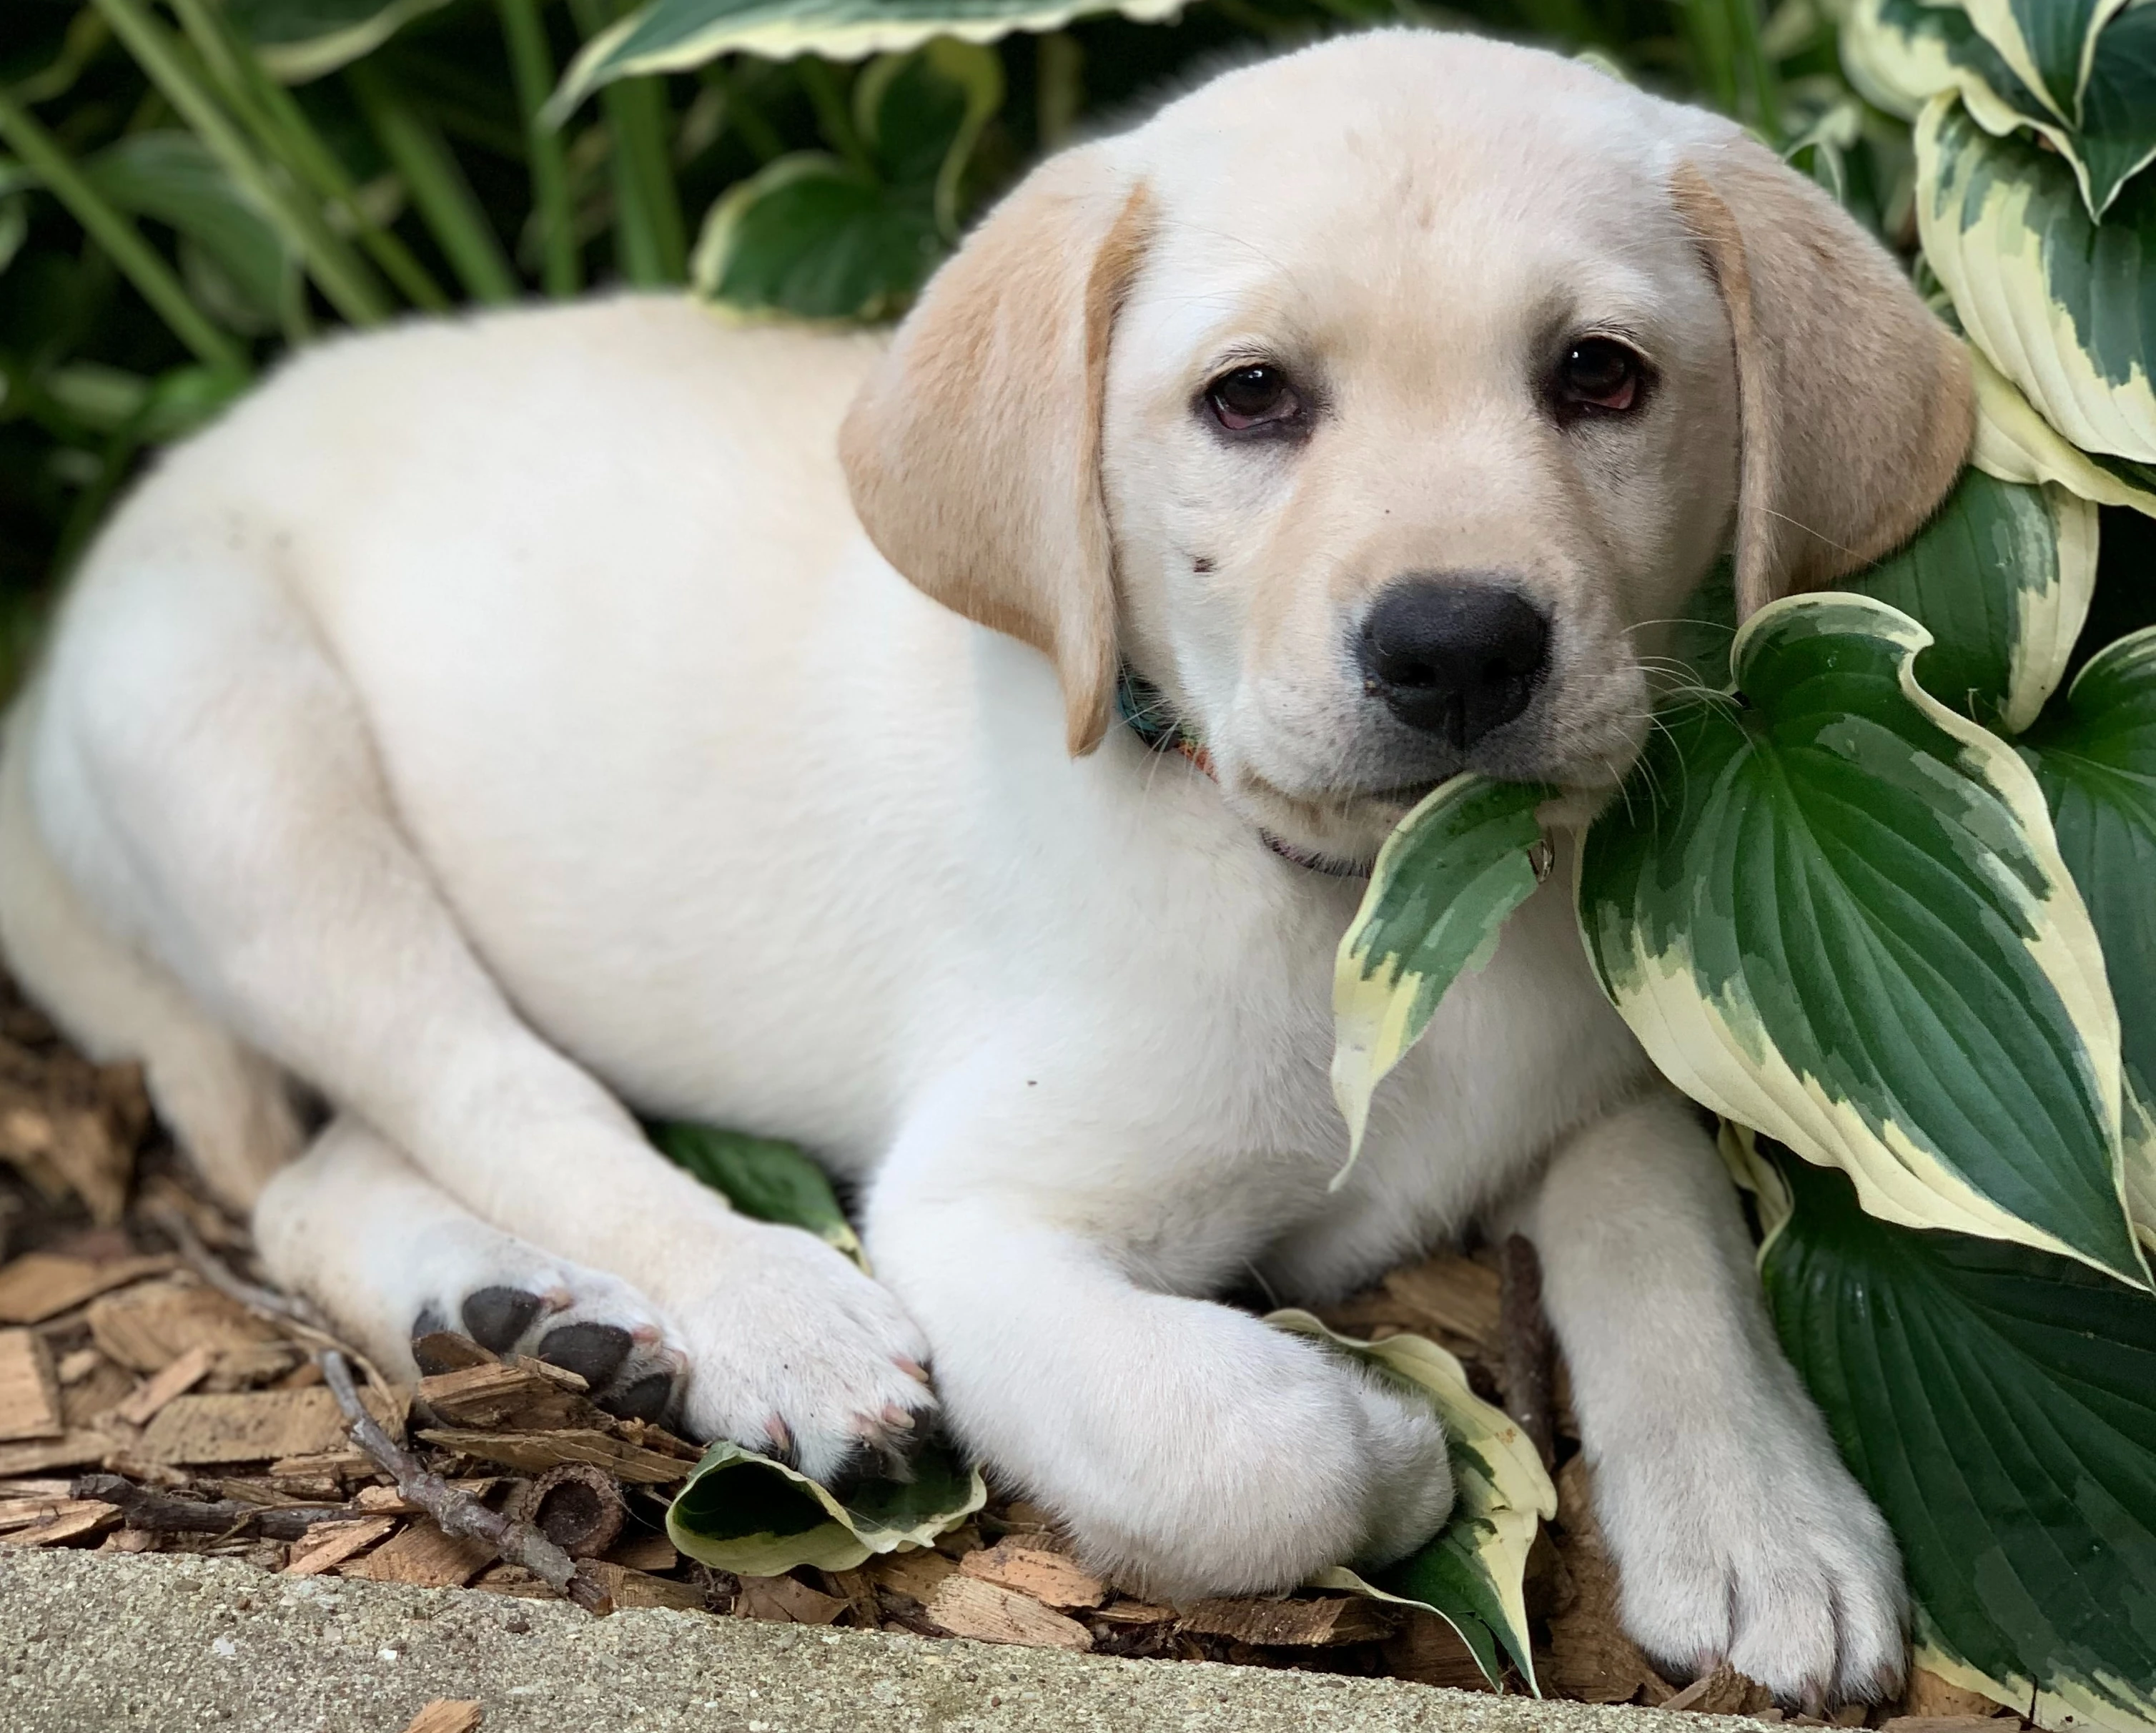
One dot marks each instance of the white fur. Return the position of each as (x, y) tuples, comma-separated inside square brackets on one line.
[(492, 723)]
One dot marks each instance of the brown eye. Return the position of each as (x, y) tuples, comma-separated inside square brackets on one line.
[(1599, 373), (1250, 396)]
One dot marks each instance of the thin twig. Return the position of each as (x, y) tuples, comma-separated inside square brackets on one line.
[(457, 1512), (142, 1507), (1529, 1363), (289, 1311)]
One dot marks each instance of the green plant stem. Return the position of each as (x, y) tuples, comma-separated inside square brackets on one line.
[(831, 115), (345, 279), (651, 239), (1758, 69), (437, 186), (281, 127), (532, 64), (153, 278)]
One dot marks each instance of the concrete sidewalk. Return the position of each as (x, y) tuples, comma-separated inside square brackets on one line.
[(89, 1641)]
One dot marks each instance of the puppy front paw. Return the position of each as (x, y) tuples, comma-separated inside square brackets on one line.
[(793, 1352), (1762, 1552), (1266, 1461)]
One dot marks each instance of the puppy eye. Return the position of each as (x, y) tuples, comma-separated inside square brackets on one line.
[(1600, 375), (1258, 396)]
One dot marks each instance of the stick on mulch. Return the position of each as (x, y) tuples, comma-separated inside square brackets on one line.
[(457, 1513), (1530, 1353), (162, 1512)]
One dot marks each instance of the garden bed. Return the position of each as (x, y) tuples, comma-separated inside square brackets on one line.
[(155, 1400)]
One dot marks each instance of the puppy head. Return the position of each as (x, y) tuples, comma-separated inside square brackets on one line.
[(1381, 404)]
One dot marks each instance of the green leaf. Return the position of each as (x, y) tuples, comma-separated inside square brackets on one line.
[(760, 1176), (2094, 754), (298, 40), (2000, 1408), (2001, 578), (172, 177), (2014, 443), (2048, 42), (1471, 1572), (810, 236), (1444, 883), (748, 1513), (676, 35), (1900, 53), (2064, 307), (921, 115), (1833, 909)]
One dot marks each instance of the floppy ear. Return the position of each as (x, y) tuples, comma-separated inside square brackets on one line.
[(974, 450), (1855, 402)]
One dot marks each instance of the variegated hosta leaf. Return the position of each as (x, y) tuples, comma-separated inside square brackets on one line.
[(2064, 307), (820, 239), (1445, 880), (1900, 53), (1832, 909), (2014, 443), (302, 40), (762, 1177), (2048, 42), (748, 1514), (674, 35), (2095, 756), (2000, 1408), (2001, 578), (1470, 1573)]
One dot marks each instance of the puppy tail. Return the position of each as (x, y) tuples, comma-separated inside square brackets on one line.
[(228, 1108)]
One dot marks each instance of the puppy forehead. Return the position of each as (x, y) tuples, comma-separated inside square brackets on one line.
[(1407, 186)]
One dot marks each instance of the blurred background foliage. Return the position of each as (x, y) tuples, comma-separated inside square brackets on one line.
[(187, 188)]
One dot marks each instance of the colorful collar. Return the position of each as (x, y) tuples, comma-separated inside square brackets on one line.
[(1147, 711)]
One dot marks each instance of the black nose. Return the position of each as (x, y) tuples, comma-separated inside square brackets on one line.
[(1453, 658)]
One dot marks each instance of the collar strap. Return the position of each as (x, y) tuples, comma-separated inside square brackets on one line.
[(1147, 711)]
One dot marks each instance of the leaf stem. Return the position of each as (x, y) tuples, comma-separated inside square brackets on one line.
[(346, 279), (650, 243), (531, 64), (153, 278), (437, 186)]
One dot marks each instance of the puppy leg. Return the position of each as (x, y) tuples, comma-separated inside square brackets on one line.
[(1189, 1449), (1738, 1535), (353, 1226), (207, 779)]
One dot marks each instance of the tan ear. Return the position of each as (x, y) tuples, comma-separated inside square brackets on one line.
[(1856, 401), (974, 450)]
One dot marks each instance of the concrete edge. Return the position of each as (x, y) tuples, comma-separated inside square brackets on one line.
[(95, 1641)]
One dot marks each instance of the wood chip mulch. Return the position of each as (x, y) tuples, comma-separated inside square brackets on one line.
[(153, 1398)]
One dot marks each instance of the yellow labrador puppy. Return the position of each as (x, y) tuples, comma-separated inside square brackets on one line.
[(499, 726)]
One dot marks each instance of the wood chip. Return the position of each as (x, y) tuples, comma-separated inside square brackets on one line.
[(1296, 1624), (1591, 1656), (786, 1601), (1429, 1651), (29, 1388), (70, 1451), (1724, 1691), (253, 1426), (1940, 1723), (1133, 1613), (63, 1519), (446, 1714), (516, 1579), (534, 1453), (147, 1328), (88, 1400), (497, 1396), (177, 1379), (1050, 1578), (915, 1575), (425, 1557), (330, 1544), (640, 1588), (645, 1552), (42, 1284), (78, 1365), (1452, 1294), (1929, 1696), (970, 1606)]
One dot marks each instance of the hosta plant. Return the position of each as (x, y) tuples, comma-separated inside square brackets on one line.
[(1881, 892)]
